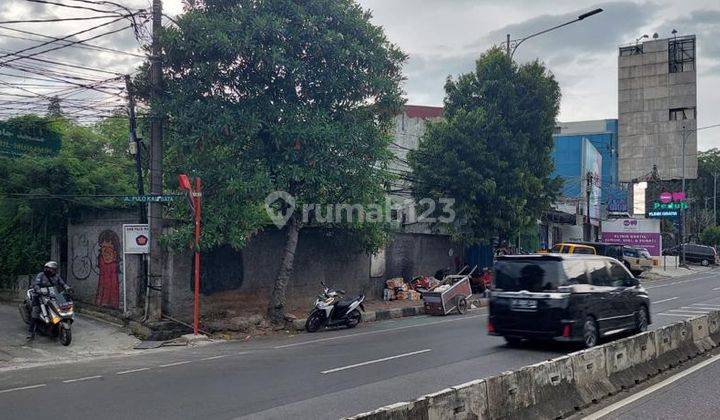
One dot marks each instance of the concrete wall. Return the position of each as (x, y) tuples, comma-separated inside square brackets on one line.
[(95, 251), (646, 93)]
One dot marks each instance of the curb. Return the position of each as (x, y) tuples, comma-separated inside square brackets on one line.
[(393, 313)]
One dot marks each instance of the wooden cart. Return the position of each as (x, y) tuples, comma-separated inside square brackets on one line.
[(453, 298)]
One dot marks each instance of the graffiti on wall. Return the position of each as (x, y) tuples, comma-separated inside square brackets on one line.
[(98, 264), (108, 287)]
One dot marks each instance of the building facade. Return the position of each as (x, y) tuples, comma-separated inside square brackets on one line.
[(657, 109)]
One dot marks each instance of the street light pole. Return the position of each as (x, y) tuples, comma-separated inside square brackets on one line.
[(512, 45)]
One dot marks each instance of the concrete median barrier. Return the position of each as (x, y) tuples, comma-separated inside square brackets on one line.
[(631, 360), (559, 387), (590, 375), (700, 327)]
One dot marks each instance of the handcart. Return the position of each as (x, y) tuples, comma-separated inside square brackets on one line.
[(452, 294)]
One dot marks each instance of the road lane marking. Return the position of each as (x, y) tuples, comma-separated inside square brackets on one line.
[(302, 343), (680, 315), (370, 362), (707, 308), (87, 378), (215, 357), (620, 404), (176, 364), (706, 304), (22, 387), (664, 300), (132, 371), (717, 288), (688, 311)]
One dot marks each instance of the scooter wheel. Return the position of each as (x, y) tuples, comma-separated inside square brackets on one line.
[(314, 322), (354, 319)]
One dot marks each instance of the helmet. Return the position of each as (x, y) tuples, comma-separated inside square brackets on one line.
[(51, 264)]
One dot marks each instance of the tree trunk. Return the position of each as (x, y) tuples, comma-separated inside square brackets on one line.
[(276, 308)]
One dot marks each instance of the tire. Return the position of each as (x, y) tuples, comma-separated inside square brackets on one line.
[(25, 312), (705, 263), (591, 333), (641, 320), (65, 336), (314, 322), (462, 306), (354, 318), (513, 341)]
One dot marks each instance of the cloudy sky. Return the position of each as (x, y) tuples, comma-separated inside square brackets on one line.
[(444, 37)]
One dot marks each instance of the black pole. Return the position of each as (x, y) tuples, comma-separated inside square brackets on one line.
[(588, 191), (142, 214)]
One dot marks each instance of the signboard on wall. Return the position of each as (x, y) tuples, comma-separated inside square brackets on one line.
[(19, 138), (592, 164), (136, 239), (643, 233)]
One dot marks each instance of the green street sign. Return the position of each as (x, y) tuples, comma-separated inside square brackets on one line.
[(19, 138), (149, 198)]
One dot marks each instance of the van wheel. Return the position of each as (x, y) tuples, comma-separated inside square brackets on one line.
[(591, 334), (705, 263), (641, 320)]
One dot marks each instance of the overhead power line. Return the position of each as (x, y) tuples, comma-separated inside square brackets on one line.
[(83, 45), (6, 22), (71, 6)]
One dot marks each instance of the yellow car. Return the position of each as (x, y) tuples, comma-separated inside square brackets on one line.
[(569, 248), (637, 260)]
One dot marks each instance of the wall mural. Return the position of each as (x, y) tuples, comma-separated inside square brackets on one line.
[(108, 287), (81, 265)]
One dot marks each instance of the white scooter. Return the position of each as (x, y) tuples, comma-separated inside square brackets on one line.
[(331, 309)]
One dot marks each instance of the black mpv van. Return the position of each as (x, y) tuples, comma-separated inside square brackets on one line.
[(565, 297)]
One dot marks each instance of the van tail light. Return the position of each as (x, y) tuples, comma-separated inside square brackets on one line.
[(566, 331), (490, 327)]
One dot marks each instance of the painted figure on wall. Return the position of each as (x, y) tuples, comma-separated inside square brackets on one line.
[(108, 289)]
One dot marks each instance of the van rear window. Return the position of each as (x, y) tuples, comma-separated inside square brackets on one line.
[(530, 275)]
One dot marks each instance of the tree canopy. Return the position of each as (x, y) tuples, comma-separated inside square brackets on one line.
[(283, 95), (491, 151)]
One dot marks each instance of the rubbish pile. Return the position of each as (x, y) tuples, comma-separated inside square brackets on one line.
[(398, 289)]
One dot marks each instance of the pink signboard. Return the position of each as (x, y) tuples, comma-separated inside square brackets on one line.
[(643, 233)]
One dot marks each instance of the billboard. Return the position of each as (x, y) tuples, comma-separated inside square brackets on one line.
[(644, 233), (28, 137), (592, 164)]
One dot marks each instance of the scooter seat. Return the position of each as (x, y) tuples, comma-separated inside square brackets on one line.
[(347, 301)]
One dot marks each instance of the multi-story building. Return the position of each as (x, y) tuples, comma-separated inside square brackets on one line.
[(657, 109)]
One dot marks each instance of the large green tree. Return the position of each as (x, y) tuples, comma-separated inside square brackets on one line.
[(491, 151), (279, 95), (39, 194)]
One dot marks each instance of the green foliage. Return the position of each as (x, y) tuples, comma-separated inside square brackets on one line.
[(710, 236), (86, 165), (284, 95), (491, 152)]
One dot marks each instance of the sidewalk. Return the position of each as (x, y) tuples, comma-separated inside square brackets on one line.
[(658, 273)]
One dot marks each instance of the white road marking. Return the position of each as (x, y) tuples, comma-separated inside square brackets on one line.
[(370, 362), (22, 387), (707, 308), (689, 311), (132, 371), (664, 300), (706, 304), (376, 331), (636, 396), (717, 288), (215, 357), (87, 378), (680, 315), (176, 364)]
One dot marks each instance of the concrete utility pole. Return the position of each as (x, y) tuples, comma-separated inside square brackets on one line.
[(155, 282), (715, 177), (132, 122)]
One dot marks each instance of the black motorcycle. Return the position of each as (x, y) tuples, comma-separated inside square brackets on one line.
[(56, 313), (331, 309)]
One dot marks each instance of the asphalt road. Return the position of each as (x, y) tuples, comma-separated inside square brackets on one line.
[(324, 375)]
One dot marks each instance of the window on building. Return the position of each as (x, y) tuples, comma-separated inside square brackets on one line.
[(631, 50), (557, 130), (681, 55), (678, 114)]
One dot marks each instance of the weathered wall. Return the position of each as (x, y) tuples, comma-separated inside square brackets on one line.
[(95, 261)]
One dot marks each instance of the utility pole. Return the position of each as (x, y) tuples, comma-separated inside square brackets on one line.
[(155, 282), (715, 177), (588, 191)]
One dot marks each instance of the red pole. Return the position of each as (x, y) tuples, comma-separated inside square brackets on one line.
[(196, 194)]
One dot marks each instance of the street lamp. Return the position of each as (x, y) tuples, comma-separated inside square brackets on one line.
[(516, 42)]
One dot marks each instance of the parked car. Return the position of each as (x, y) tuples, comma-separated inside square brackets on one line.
[(576, 298), (606, 249), (572, 248), (637, 260), (694, 253)]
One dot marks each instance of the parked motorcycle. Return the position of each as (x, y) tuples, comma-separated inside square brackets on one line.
[(56, 314), (332, 309)]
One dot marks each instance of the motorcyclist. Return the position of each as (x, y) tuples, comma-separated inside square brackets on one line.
[(49, 277)]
